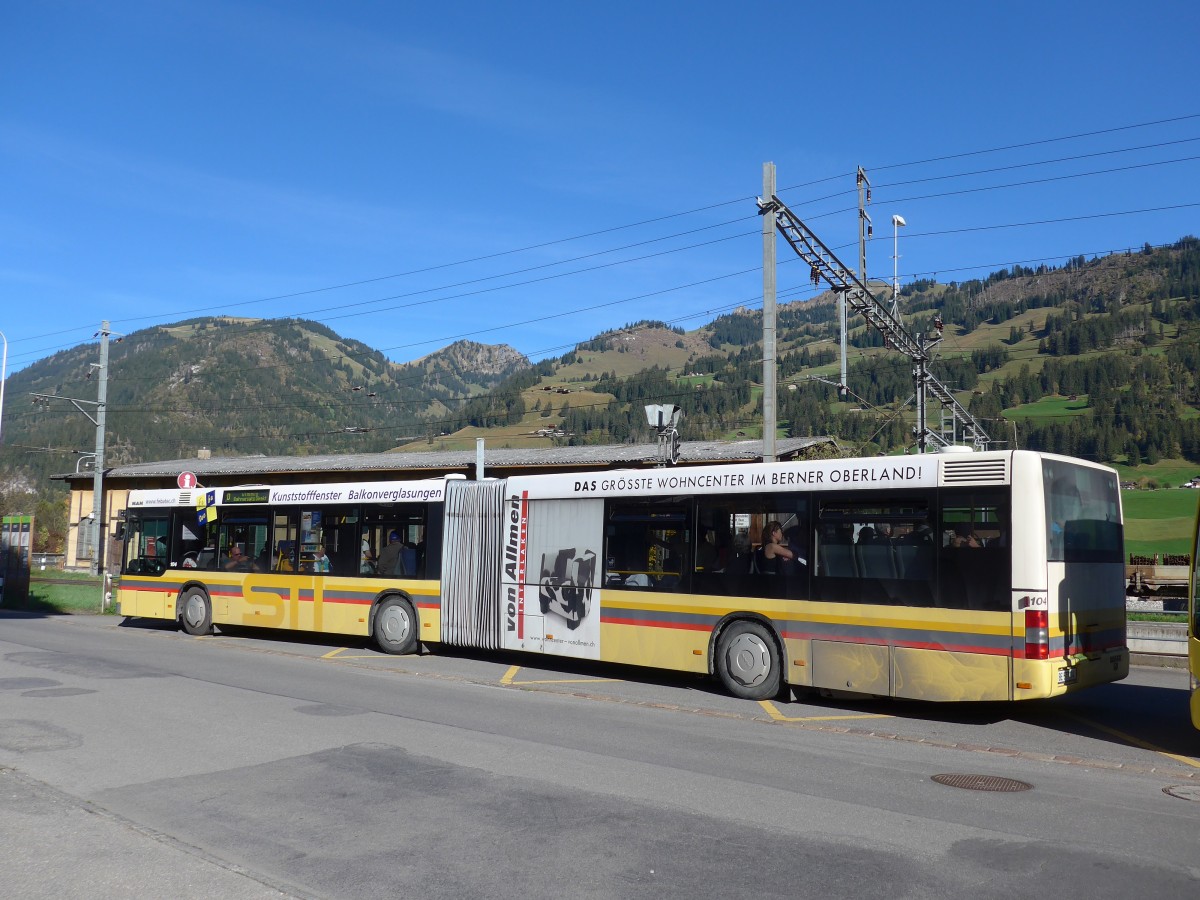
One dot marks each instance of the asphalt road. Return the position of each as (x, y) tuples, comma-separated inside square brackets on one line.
[(138, 762)]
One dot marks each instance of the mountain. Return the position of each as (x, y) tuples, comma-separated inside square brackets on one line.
[(464, 369), (1096, 358), (236, 386)]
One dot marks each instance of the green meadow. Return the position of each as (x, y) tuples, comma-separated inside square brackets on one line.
[(55, 593), (1159, 521)]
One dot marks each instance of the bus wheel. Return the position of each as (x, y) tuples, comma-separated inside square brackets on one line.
[(748, 661), (395, 627), (195, 612)]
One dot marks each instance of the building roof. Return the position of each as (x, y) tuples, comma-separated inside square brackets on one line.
[(599, 456)]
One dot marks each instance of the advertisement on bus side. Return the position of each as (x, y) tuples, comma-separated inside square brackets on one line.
[(551, 576)]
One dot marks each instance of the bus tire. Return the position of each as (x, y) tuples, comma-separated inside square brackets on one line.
[(395, 626), (195, 612), (748, 661)]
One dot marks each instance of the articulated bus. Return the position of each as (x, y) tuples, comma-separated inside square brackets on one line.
[(982, 576), (1193, 611)]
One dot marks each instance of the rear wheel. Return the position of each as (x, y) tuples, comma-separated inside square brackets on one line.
[(195, 612), (395, 627), (748, 661)]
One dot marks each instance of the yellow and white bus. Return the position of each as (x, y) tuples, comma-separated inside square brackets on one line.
[(1193, 618), (984, 576)]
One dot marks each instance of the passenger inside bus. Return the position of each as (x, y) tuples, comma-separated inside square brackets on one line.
[(673, 562), (391, 560), (795, 537), (709, 558), (237, 561), (774, 553), (965, 536), (284, 552)]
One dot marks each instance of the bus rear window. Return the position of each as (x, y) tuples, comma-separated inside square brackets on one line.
[(1083, 514)]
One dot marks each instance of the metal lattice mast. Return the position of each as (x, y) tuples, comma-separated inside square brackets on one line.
[(852, 290)]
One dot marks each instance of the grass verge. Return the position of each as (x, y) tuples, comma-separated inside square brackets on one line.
[(1179, 618), (65, 593)]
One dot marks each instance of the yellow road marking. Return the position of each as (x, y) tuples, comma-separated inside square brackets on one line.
[(340, 650), (1137, 742), (780, 717), (511, 674), (569, 681)]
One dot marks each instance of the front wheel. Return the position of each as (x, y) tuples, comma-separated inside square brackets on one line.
[(395, 627), (195, 612), (748, 661)]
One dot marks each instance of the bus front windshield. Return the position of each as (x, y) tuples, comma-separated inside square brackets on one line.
[(146, 545)]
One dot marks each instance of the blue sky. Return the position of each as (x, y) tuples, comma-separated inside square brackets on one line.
[(535, 173)]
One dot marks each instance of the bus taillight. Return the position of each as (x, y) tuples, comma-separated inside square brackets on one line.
[(1037, 634)]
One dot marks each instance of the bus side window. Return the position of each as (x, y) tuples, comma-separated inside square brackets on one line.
[(974, 567), (648, 545), (876, 551)]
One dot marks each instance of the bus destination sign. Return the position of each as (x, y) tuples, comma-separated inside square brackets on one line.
[(246, 495)]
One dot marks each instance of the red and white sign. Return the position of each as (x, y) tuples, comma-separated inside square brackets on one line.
[(186, 480)]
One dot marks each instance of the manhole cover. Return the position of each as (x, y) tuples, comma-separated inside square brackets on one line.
[(1184, 791), (982, 782)]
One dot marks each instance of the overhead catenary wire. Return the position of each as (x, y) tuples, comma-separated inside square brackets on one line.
[(912, 235), (790, 292), (652, 220)]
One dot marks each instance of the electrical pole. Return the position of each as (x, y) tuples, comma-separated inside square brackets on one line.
[(95, 530), (98, 473), (3, 371), (768, 314)]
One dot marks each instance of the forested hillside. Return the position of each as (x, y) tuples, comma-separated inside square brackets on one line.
[(237, 387), (1097, 358)]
